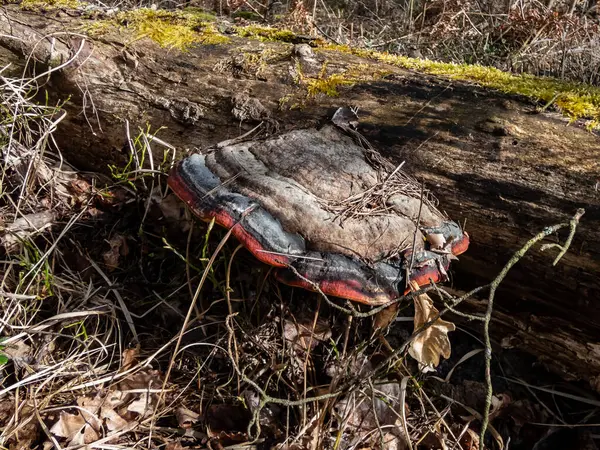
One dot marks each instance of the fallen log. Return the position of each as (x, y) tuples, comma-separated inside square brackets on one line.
[(503, 168)]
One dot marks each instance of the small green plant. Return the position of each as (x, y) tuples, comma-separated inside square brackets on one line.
[(3, 356), (329, 84), (96, 28), (139, 157), (80, 330), (35, 267), (205, 258)]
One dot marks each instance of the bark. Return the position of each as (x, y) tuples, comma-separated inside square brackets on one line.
[(492, 162)]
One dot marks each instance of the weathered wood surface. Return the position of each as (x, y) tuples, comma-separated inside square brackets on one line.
[(490, 160)]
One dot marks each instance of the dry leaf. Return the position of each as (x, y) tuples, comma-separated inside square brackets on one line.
[(302, 336), (358, 365), (81, 190), (129, 357), (19, 352), (144, 379), (368, 410), (186, 417), (118, 248), (142, 406), (174, 210), (470, 440), (7, 409), (113, 420), (176, 445), (385, 317), (433, 440), (433, 342), (391, 441), (85, 425), (28, 427), (76, 429)]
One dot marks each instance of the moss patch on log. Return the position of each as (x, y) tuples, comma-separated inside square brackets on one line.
[(329, 83), (49, 5), (574, 100), (172, 29), (178, 30)]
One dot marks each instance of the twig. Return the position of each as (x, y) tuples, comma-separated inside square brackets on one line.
[(563, 249), (412, 252), (572, 224)]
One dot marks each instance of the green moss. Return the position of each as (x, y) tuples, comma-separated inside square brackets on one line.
[(283, 101), (172, 29), (329, 84), (266, 33), (575, 100), (46, 5), (97, 28)]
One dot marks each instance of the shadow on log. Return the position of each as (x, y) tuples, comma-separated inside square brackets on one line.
[(494, 163)]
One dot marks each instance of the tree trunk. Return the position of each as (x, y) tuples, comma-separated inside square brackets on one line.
[(494, 164)]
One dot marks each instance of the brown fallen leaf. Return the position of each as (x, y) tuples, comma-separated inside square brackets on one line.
[(76, 429), (17, 350), (93, 414), (21, 435), (143, 405), (302, 336), (176, 445), (433, 342), (385, 317), (173, 210), (186, 417), (433, 440), (113, 420), (118, 248), (144, 379), (129, 357), (7, 409), (470, 440)]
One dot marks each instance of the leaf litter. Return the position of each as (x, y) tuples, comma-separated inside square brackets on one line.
[(124, 406)]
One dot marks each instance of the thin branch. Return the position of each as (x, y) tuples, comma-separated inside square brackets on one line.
[(572, 224)]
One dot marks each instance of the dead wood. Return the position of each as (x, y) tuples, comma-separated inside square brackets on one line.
[(490, 160)]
